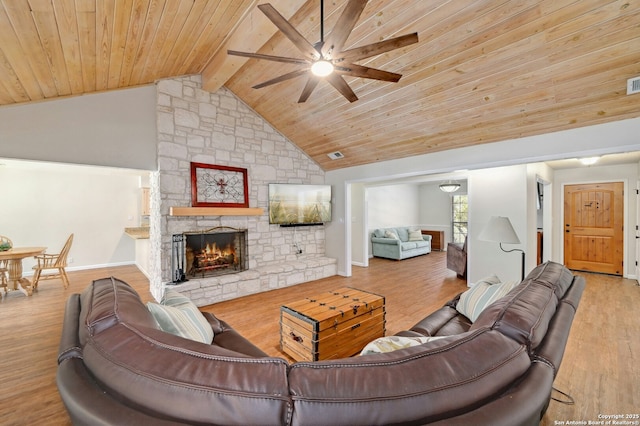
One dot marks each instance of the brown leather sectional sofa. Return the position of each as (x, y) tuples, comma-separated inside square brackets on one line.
[(117, 367)]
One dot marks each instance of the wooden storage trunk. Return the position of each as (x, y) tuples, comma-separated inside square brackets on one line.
[(335, 324)]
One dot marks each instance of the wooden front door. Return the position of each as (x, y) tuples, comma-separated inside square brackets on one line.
[(593, 238)]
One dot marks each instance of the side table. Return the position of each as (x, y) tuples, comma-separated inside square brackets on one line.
[(437, 239)]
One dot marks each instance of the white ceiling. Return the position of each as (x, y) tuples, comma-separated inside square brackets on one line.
[(605, 160), (568, 163)]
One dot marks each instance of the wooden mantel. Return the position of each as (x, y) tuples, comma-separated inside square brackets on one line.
[(215, 211)]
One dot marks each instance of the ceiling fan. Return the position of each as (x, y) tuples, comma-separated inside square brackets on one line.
[(326, 58)]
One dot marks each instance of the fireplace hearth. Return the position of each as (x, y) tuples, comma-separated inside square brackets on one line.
[(216, 251)]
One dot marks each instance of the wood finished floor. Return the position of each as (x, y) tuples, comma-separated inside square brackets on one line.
[(601, 367)]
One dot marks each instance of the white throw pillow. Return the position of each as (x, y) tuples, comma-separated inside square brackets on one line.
[(415, 235), (482, 294), (393, 343), (391, 234)]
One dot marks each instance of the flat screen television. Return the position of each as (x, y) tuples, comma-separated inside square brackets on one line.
[(299, 204)]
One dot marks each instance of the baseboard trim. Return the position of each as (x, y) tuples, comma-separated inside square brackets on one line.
[(85, 267)]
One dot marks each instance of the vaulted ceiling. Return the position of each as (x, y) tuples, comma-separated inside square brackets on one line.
[(482, 71)]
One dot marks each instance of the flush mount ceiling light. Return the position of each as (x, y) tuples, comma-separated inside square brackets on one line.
[(449, 186), (588, 161)]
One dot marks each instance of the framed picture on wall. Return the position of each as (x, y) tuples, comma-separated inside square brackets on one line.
[(218, 186)]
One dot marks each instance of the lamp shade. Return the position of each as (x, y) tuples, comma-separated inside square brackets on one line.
[(499, 230), (449, 186)]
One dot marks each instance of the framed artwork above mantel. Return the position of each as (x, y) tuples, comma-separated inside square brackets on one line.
[(218, 186)]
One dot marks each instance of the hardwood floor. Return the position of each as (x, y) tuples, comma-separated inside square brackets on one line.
[(412, 289), (601, 367), (601, 364), (30, 329)]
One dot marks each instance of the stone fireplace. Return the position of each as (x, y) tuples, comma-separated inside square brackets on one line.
[(195, 125), (216, 251)]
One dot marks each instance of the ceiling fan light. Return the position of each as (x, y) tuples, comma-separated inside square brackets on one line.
[(322, 68)]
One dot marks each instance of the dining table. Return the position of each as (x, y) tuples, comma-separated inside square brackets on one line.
[(14, 256)]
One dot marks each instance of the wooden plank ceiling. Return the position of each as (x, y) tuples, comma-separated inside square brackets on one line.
[(483, 71)]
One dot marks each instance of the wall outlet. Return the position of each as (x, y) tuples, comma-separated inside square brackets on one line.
[(69, 259)]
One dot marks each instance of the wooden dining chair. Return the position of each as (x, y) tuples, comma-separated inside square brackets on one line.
[(55, 262), (4, 269)]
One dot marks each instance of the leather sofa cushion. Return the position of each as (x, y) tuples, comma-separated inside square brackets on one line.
[(553, 275), (522, 407), (522, 315), (553, 345), (177, 378), (413, 385), (108, 302), (174, 377), (229, 338), (446, 321), (457, 325)]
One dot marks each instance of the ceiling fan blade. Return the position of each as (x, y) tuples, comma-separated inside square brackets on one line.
[(350, 15), (341, 86), (269, 57), (283, 77), (354, 70), (362, 52), (312, 82), (289, 30)]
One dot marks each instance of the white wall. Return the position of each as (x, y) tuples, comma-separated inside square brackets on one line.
[(393, 205), (359, 220), (42, 203), (388, 206), (435, 208), (628, 174), (116, 128), (497, 192), (619, 136)]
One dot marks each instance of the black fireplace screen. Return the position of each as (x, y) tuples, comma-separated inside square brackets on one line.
[(216, 251)]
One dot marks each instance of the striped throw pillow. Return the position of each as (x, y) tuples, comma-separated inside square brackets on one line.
[(481, 294), (174, 298), (177, 314)]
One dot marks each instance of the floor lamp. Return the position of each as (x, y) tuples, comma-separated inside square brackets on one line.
[(500, 230)]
